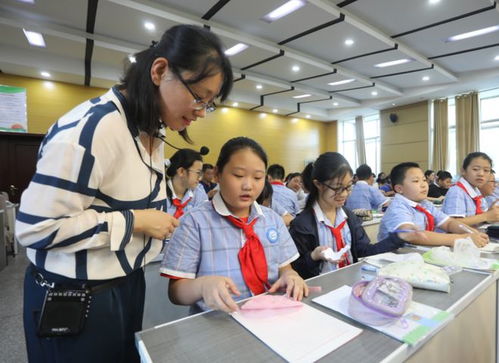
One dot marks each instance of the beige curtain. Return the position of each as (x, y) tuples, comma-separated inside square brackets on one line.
[(467, 126), (440, 135), (360, 143)]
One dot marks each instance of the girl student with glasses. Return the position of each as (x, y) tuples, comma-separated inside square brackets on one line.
[(184, 173), (327, 223), (94, 214)]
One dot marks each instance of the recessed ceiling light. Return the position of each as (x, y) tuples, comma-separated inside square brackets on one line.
[(34, 38), (45, 74), (308, 116), (337, 83), (374, 93), (425, 78), (149, 26), (235, 104), (295, 68), (27, 1), (259, 86), (283, 10), (302, 96), (294, 120), (238, 48), (349, 42), (132, 59), (496, 58), (335, 103), (275, 110), (392, 63), (433, 2), (474, 33), (393, 104)]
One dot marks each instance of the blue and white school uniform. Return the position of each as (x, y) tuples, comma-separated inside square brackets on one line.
[(279, 209), (207, 244), (492, 198), (403, 211), (458, 203), (365, 196), (196, 196), (326, 236), (286, 198)]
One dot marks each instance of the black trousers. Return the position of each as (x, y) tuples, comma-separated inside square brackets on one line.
[(108, 336)]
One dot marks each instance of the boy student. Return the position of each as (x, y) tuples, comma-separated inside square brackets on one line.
[(410, 209), (441, 185), (282, 195), (207, 180), (364, 195)]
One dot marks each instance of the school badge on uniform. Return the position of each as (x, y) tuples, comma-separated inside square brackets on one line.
[(272, 235)]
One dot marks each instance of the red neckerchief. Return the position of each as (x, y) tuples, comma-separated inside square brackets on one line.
[(477, 200)]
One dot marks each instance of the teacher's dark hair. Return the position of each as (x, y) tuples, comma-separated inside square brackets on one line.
[(187, 48)]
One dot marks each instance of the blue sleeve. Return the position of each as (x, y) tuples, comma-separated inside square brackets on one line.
[(376, 198), (454, 203)]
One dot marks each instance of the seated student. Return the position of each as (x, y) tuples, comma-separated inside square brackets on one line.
[(429, 176), (207, 180), (265, 199), (464, 200), (282, 195), (385, 186), (182, 186), (488, 190), (365, 196), (439, 188), (294, 182), (325, 222), (232, 246), (410, 209)]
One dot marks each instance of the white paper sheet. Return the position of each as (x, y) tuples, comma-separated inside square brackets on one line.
[(302, 334)]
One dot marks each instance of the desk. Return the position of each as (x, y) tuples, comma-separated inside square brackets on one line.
[(216, 337), (372, 227)]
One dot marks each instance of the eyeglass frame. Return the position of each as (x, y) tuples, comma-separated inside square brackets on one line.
[(198, 172), (198, 103), (339, 190)]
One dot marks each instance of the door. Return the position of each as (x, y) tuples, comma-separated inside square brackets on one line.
[(18, 156)]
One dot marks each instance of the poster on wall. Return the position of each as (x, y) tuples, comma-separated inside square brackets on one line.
[(13, 116)]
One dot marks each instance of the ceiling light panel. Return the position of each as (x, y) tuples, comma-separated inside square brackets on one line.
[(283, 10), (246, 16)]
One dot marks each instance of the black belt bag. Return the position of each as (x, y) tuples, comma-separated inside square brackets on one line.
[(66, 308)]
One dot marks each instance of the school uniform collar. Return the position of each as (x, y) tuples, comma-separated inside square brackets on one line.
[(472, 191), (362, 182), (221, 208), (188, 193), (321, 218), (405, 200)]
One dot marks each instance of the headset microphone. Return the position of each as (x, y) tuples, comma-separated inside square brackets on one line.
[(203, 150)]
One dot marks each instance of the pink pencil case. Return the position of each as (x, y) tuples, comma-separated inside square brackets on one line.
[(379, 301)]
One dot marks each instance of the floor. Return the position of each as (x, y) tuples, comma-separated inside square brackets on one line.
[(158, 309)]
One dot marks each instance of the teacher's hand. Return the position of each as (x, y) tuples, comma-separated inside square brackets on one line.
[(154, 223)]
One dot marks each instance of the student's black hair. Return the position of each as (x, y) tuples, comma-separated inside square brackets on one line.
[(427, 173), (183, 158), (442, 175), (306, 176), (363, 172), (236, 144), (291, 176), (187, 48), (276, 171), (469, 158), (379, 179), (266, 192), (397, 175), (328, 166), (207, 167)]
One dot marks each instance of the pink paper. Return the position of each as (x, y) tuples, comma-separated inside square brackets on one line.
[(262, 302)]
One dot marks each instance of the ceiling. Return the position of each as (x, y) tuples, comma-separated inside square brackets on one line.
[(88, 42)]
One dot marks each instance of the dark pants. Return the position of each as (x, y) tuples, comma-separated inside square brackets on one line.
[(108, 336)]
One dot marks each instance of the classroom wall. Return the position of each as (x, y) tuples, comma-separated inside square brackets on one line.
[(286, 142), (406, 139)]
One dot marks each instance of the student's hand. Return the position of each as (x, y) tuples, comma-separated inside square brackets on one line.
[(492, 214), (216, 292), (154, 223), (480, 239), (415, 237), (316, 253), (296, 288)]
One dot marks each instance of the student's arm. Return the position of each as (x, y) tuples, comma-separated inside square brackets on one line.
[(214, 290), (294, 284), (456, 226), (439, 239), (305, 265), (287, 218), (490, 216)]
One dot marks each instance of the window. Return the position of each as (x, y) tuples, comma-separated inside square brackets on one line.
[(489, 124), (372, 139), (346, 141)]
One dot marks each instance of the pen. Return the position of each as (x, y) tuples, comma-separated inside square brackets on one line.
[(466, 229), (369, 268), (406, 231)]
